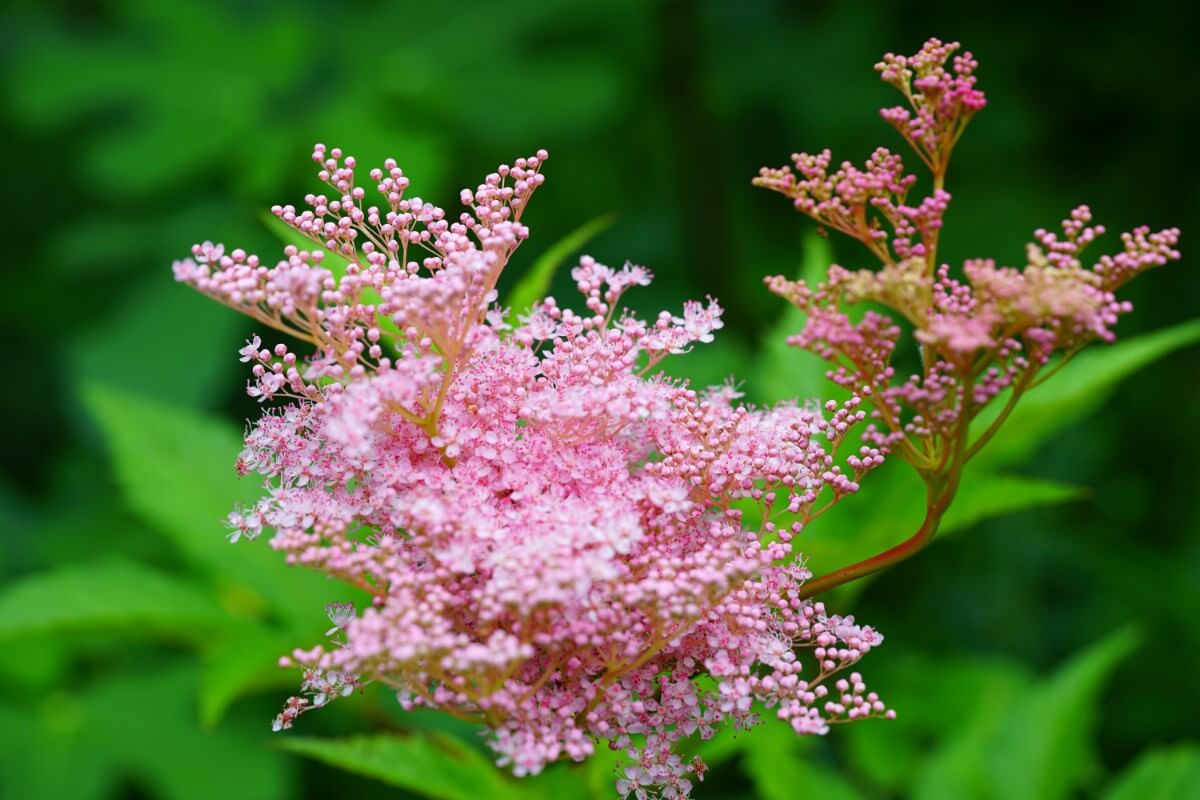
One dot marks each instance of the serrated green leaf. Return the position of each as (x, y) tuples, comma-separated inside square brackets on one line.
[(1043, 750), (429, 765), (1077, 390), (535, 283), (1161, 774), (176, 470), (112, 596)]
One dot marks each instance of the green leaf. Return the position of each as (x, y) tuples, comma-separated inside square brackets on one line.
[(145, 723), (778, 763), (116, 595), (600, 771), (1043, 750), (1079, 388), (983, 495), (240, 664), (135, 729), (42, 757), (430, 765), (891, 504), (208, 333), (568, 781), (928, 693), (176, 470), (955, 770), (783, 372), (1161, 774), (1029, 743), (535, 283)]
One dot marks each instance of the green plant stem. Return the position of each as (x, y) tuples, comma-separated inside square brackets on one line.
[(935, 509), (941, 486)]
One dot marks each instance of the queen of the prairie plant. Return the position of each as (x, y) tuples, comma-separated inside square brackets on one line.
[(564, 545)]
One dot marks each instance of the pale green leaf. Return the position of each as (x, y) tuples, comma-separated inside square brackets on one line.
[(889, 508), (1077, 390), (240, 664), (778, 763), (783, 372), (1162, 774), (429, 765), (983, 495), (535, 283), (112, 596), (145, 724)]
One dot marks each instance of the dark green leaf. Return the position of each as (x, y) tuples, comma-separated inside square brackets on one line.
[(985, 495), (891, 504)]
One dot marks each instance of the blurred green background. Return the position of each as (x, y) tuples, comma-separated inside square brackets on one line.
[(1048, 649)]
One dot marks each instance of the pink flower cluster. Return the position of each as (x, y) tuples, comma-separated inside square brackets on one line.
[(557, 541), (982, 331), (941, 102)]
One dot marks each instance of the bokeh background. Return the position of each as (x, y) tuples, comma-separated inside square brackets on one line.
[(1049, 652)]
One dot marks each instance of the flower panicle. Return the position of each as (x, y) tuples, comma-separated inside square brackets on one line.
[(557, 541), (985, 333)]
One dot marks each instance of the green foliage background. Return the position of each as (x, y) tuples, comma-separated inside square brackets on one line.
[(1047, 649)]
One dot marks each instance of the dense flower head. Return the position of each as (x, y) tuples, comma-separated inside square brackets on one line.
[(558, 541)]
